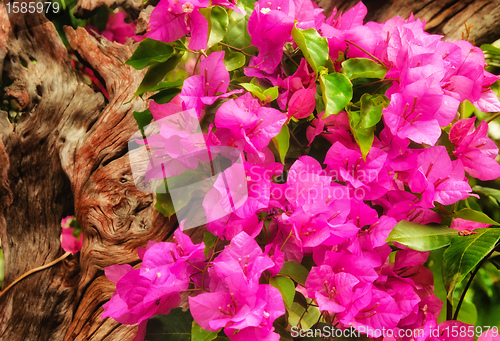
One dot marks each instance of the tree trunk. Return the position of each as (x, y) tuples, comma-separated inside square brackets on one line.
[(67, 154)]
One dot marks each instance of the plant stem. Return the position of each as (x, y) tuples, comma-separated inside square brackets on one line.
[(297, 142), (473, 274), (290, 57), (493, 117), (237, 49), (368, 53), (449, 310)]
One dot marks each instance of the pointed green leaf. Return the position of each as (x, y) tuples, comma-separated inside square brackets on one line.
[(336, 90), (465, 253), (168, 85), (156, 73), (165, 96), (472, 215), (200, 334), (282, 142), (491, 192), (219, 21), (306, 319), (175, 326), (313, 47), (234, 60), (363, 122), (286, 287), (271, 94), (421, 237), (295, 271), (363, 68), (254, 90), (209, 240), (150, 52), (143, 118), (164, 204), (237, 33)]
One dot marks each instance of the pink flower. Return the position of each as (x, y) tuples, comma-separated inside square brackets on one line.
[(248, 125), (202, 89), (475, 149), (172, 20), (69, 242), (438, 178)]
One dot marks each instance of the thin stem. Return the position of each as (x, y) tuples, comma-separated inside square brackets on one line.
[(26, 274), (368, 53), (459, 305), (449, 310), (493, 117), (288, 55), (237, 49), (297, 142)]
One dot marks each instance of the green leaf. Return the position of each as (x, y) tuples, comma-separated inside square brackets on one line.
[(363, 122), (219, 21), (295, 271), (156, 73), (233, 60), (209, 239), (164, 204), (472, 215), (168, 85), (282, 142), (337, 92), (271, 93), (254, 90), (150, 52), (200, 334), (237, 33), (306, 319), (175, 326), (143, 118), (286, 287), (421, 237), (165, 96), (491, 192), (465, 253), (313, 47), (363, 68)]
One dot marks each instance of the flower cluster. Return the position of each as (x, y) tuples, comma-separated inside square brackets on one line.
[(334, 211)]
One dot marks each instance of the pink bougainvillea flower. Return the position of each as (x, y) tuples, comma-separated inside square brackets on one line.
[(69, 242), (475, 149), (332, 291), (248, 125), (269, 28), (172, 20), (369, 176), (202, 89), (237, 301), (438, 178), (118, 30), (462, 225)]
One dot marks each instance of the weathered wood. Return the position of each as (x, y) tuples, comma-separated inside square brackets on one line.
[(445, 17), (67, 154)]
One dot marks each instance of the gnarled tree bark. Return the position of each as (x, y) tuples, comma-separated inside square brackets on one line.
[(67, 154)]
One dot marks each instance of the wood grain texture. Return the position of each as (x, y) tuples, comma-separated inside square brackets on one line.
[(67, 154)]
